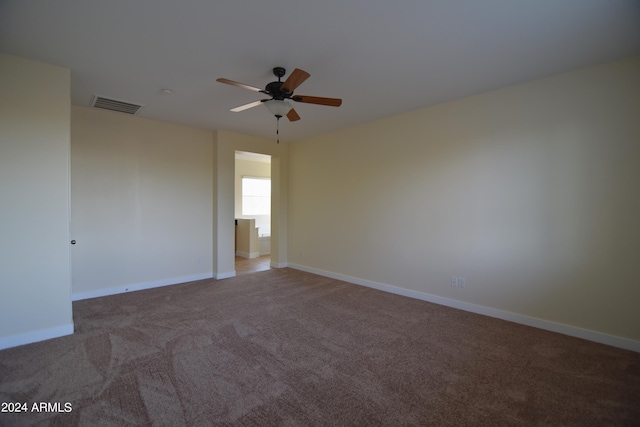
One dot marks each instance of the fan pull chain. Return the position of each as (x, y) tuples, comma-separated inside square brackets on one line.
[(278, 129)]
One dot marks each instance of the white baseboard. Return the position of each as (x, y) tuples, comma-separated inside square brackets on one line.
[(220, 276), (535, 322), (35, 336), (138, 286), (247, 254), (278, 264)]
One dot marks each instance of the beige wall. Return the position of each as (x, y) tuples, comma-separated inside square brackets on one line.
[(35, 288), (247, 238), (529, 192), (141, 202)]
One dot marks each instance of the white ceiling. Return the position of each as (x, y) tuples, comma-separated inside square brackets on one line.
[(381, 57)]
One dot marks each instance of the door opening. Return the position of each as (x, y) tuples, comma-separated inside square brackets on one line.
[(252, 212)]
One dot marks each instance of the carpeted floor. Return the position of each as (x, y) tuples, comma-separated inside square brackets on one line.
[(287, 348)]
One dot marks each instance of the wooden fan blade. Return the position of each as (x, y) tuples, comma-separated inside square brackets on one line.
[(332, 102), (247, 106), (293, 116), (237, 84), (294, 80)]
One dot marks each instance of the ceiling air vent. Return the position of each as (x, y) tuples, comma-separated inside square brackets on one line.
[(115, 105)]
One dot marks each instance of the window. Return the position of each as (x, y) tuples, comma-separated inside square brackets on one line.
[(256, 196)]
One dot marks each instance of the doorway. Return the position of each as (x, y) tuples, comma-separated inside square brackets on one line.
[(252, 212)]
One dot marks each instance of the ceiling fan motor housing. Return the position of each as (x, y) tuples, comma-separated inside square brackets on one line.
[(273, 89)]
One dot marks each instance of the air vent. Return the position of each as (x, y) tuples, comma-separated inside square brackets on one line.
[(115, 105)]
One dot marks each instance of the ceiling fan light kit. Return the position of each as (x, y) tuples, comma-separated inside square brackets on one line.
[(280, 92), (278, 107)]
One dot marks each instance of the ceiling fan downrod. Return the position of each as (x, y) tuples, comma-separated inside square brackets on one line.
[(279, 72)]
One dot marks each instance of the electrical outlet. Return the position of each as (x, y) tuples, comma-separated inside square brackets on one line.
[(301, 254), (454, 281), (462, 282)]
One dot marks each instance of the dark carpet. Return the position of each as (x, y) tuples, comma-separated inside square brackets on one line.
[(288, 348)]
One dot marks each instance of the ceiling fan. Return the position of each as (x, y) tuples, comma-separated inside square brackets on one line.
[(281, 92)]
